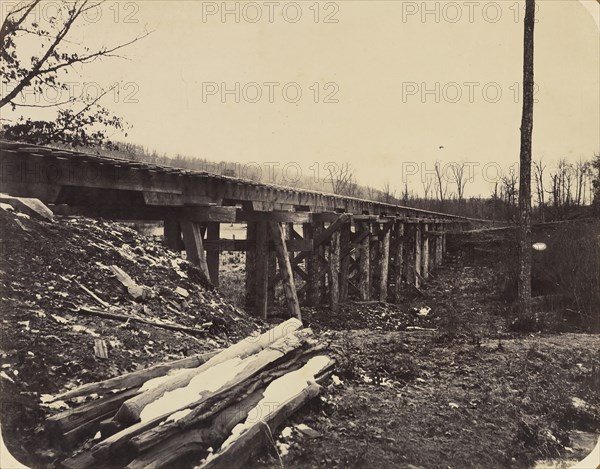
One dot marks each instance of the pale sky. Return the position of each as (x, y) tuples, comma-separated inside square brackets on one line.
[(377, 59)]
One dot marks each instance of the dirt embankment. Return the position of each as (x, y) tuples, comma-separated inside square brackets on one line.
[(47, 343)]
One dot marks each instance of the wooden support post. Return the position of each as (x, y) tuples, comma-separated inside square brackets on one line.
[(213, 232), (364, 263), (262, 269), (172, 235), (345, 262), (409, 253), (285, 268), (251, 266), (375, 248), (418, 254), (334, 269), (439, 246), (398, 260), (384, 259), (272, 273), (425, 252), (192, 238), (313, 294)]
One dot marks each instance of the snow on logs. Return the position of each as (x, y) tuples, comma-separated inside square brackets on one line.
[(225, 402)]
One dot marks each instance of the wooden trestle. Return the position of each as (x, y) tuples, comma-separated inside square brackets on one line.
[(337, 247)]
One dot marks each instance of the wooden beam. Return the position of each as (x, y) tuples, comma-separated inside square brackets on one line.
[(192, 239), (273, 216), (384, 263), (262, 269), (418, 255), (172, 235), (285, 268), (345, 261), (334, 269), (425, 254), (250, 296), (364, 263), (213, 232), (398, 267)]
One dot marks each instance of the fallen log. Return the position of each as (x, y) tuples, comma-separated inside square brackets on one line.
[(291, 392), (135, 378), (125, 318), (206, 384), (130, 411)]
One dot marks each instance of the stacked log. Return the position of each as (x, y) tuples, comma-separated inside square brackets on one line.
[(175, 412)]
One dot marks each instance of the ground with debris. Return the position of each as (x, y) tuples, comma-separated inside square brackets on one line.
[(438, 381), (54, 271)]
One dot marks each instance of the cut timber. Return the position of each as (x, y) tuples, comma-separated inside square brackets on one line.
[(285, 268), (192, 238), (93, 295), (364, 263), (344, 261), (334, 271), (136, 291), (131, 410), (219, 401), (291, 391), (425, 253), (261, 272), (196, 440), (205, 385), (100, 350), (384, 259), (398, 260), (135, 378), (172, 235), (125, 318), (418, 251), (32, 207), (213, 233)]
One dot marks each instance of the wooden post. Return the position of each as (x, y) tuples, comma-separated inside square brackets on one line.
[(384, 258), (213, 232), (272, 273), (285, 267), (172, 235), (194, 247), (313, 294), (251, 266), (439, 246), (409, 253), (418, 254), (375, 245), (364, 263), (262, 269), (334, 269), (345, 262), (398, 260), (425, 252)]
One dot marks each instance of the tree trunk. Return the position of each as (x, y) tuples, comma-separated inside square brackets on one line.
[(524, 281)]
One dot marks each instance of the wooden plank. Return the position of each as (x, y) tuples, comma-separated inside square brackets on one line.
[(425, 254), (310, 231), (409, 253), (438, 247), (213, 232), (384, 263), (375, 255), (273, 216), (364, 256), (334, 269), (418, 255), (172, 235), (398, 260), (285, 268), (250, 296), (192, 239), (261, 269), (344, 261)]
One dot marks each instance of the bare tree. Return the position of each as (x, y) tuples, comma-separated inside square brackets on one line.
[(388, 195), (427, 182), (80, 118), (342, 179), (524, 280), (441, 184), (539, 168), (459, 178)]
